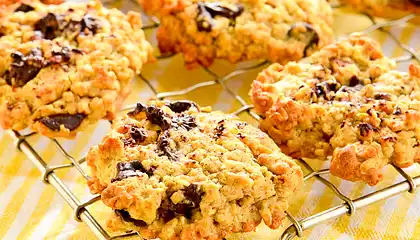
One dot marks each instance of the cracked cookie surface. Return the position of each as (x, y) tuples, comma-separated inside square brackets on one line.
[(63, 67), (239, 30), (174, 170), (348, 102)]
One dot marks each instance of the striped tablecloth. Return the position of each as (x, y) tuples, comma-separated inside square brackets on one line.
[(29, 209)]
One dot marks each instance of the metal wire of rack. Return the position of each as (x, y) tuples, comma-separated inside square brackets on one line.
[(348, 206)]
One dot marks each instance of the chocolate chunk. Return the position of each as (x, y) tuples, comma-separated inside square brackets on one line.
[(354, 81), (166, 211), (130, 169), (158, 117), (77, 51), (24, 8), (366, 129), (163, 145), (218, 131), (193, 195), (323, 89), (389, 139), (1, 34), (207, 11), (70, 122), (138, 134), (139, 108), (88, 25), (397, 111), (62, 56), (49, 26), (310, 35), (24, 68), (181, 106), (184, 121), (126, 217), (382, 96)]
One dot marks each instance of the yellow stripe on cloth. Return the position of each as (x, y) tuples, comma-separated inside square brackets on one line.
[(9, 214), (11, 169), (65, 212)]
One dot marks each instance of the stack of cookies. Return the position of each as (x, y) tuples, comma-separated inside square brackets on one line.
[(176, 170)]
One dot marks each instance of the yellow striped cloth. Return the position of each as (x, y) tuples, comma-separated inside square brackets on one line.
[(29, 209)]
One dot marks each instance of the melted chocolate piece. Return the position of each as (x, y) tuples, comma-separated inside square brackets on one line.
[(130, 169), (397, 111), (323, 89), (52, 26), (207, 11), (310, 35), (70, 122), (62, 56), (139, 108), (184, 121), (390, 139), (168, 210), (24, 68), (181, 106), (89, 24), (218, 131), (193, 194), (382, 96), (354, 81), (157, 116), (164, 146), (49, 26), (365, 129), (138, 134), (126, 217), (24, 8)]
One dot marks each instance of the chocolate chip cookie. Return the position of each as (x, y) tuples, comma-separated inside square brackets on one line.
[(238, 30), (348, 102), (173, 170), (63, 67)]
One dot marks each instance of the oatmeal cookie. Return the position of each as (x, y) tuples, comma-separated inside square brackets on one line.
[(348, 102), (173, 170), (383, 7), (238, 30), (63, 67)]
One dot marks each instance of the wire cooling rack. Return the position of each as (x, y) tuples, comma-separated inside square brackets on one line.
[(348, 205)]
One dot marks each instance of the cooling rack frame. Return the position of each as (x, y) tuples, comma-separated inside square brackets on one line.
[(347, 207)]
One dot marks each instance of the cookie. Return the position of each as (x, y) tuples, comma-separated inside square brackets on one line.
[(63, 67), (348, 102), (239, 30), (173, 170), (384, 7)]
